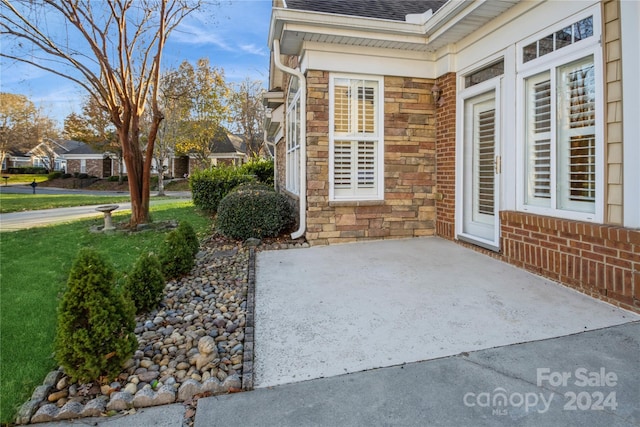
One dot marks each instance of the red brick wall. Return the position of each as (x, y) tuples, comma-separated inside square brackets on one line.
[(599, 260), (409, 167), (73, 165), (94, 167), (446, 156)]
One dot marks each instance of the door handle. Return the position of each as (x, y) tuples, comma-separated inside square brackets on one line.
[(498, 164)]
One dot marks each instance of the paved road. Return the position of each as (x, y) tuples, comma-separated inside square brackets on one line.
[(25, 189)]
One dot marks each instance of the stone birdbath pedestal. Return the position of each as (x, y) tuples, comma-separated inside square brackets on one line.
[(107, 209)]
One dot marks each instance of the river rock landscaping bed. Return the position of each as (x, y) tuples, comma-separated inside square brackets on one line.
[(199, 342)]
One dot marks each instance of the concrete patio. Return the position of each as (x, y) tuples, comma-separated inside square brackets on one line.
[(326, 311)]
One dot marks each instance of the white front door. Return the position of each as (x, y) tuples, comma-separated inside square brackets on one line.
[(480, 170)]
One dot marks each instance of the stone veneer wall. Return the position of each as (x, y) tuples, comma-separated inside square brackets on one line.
[(446, 157), (408, 209), (281, 170)]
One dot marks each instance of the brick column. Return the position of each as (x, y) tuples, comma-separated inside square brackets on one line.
[(446, 156)]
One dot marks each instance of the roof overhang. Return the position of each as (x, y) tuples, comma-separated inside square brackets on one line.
[(451, 23), (273, 99)]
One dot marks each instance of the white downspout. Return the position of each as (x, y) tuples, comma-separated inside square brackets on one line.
[(303, 139)]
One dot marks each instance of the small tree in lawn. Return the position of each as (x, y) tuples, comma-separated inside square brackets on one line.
[(176, 255), (146, 282), (189, 234), (95, 323)]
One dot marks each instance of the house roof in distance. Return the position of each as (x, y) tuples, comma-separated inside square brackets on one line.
[(395, 10), (83, 149)]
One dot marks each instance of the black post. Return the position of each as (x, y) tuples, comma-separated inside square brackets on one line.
[(34, 185)]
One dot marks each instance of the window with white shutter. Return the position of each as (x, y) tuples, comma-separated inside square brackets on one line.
[(292, 137), (355, 138), (561, 137)]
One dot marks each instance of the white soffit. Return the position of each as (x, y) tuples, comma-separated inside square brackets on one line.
[(451, 23)]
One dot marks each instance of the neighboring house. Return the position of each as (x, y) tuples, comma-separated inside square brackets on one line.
[(49, 153), (510, 126), (74, 157), (15, 159), (84, 159)]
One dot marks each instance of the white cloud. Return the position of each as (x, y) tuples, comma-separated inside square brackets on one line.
[(190, 34), (253, 49)]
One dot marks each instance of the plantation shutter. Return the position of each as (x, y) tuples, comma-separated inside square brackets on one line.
[(582, 140), (342, 164), (485, 161), (542, 139), (342, 109), (539, 139), (366, 164)]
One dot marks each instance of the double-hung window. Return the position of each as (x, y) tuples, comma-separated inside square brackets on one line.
[(355, 132), (292, 138), (561, 128)]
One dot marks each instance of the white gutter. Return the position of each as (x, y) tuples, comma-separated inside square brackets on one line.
[(303, 139)]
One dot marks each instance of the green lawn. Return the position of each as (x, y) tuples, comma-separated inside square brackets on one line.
[(34, 265), (29, 202)]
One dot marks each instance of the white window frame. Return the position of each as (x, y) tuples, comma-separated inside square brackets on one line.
[(292, 145), (377, 137), (551, 62)]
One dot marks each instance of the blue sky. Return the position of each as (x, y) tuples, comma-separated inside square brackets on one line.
[(233, 35)]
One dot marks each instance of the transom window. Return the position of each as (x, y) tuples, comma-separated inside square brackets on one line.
[(356, 138), (565, 37), (484, 74)]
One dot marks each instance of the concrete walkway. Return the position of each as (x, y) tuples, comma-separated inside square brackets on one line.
[(332, 310), (463, 390)]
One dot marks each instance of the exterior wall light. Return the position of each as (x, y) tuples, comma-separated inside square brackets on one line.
[(436, 94)]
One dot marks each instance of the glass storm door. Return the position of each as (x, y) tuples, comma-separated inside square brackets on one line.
[(480, 170)]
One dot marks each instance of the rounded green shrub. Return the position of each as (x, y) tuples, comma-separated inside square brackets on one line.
[(95, 335), (54, 175), (253, 186), (254, 213), (209, 186), (146, 283), (176, 256), (189, 234)]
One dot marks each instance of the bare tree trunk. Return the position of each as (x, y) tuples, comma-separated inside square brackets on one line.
[(161, 183)]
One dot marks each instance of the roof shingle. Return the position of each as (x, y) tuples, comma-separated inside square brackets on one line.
[(395, 10)]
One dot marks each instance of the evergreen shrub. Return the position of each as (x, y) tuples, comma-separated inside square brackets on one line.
[(209, 186), (254, 213), (253, 186), (189, 234), (176, 255), (94, 336), (145, 284), (262, 169)]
